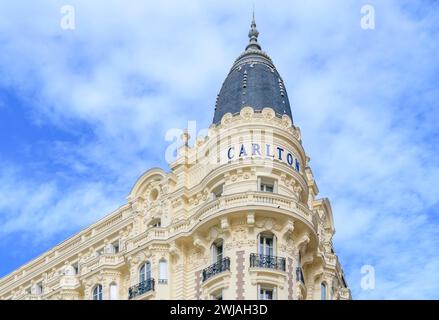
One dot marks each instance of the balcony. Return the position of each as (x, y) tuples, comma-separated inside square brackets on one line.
[(269, 262), (141, 288), (105, 260), (216, 268), (299, 275), (246, 200)]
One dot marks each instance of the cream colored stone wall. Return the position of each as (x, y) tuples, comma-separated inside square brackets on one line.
[(191, 219)]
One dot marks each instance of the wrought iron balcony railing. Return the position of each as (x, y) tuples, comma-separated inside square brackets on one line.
[(299, 275), (216, 268), (141, 288), (270, 262)]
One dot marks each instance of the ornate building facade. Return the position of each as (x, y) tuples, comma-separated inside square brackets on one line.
[(236, 217)]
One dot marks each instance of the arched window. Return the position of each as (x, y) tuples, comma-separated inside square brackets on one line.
[(163, 271), (217, 250), (145, 272), (113, 292), (267, 244), (155, 223), (97, 292), (323, 291)]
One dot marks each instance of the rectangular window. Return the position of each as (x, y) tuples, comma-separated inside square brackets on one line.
[(267, 185), (113, 292), (163, 271), (266, 245), (266, 293), (116, 247), (218, 251)]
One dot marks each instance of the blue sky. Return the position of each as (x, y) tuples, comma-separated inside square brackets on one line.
[(84, 112)]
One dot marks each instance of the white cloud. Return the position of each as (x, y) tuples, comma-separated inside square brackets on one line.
[(45, 209)]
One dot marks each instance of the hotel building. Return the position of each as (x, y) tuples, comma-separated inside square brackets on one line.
[(236, 216)]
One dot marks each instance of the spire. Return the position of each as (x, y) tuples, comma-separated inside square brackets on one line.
[(253, 35)]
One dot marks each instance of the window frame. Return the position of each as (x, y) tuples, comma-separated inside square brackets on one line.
[(263, 247), (114, 285), (267, 184), (163, 278), (323, 291), (217, 255), (145, 270), (263, 289), (97, 292)]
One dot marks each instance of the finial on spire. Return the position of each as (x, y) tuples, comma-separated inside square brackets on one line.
[(253, 34)]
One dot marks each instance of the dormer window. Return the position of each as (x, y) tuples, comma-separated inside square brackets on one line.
[(155, 223), (100, 252), (116, 246), (37, 288), (75, 267)]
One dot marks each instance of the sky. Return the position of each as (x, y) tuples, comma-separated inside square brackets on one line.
[(85, 111)]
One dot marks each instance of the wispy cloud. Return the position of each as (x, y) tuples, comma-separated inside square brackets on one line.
[(94, 105)]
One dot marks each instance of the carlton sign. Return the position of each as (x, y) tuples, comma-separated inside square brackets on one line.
[(268, 151)]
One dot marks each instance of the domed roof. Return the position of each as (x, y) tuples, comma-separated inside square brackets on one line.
[(252, 81)]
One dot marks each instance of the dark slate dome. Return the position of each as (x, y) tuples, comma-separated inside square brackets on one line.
[(252, 81)]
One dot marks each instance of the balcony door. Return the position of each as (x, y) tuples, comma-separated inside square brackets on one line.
[(217, 251), (145, 272), (267, 244)]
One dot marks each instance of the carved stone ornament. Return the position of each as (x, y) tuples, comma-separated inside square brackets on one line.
[(247, 113), (286, 121), (268, 113), (226, 119)]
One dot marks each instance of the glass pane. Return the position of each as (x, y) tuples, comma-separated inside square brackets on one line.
[(323, 291), (266, 294), (113, 292), (269, 250), (148, 271), (163, 270), (269, 295), (219, 253), (142, 274), (266, 245)]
